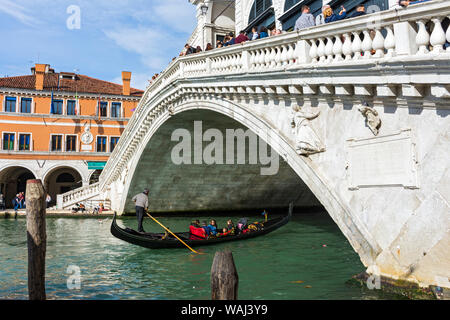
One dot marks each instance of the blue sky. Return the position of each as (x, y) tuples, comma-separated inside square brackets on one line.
[(141, 36)]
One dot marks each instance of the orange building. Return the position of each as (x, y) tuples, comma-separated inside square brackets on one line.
[(60, 128)]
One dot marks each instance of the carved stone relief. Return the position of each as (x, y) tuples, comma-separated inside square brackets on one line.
[(373, 120), (307, 141)]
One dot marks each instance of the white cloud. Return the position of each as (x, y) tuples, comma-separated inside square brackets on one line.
[(153, 47), (18, 12), (138, 80)]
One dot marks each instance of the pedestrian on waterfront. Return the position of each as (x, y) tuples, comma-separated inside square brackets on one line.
[(306, 20), (2, 202), (141, 203), (16, 203), (360, 11), (48, 199), (332, 17), (21, 200)]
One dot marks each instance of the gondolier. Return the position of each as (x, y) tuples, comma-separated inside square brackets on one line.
[(141, 202)]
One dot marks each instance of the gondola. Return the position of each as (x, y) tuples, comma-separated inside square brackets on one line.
[(155, 241)]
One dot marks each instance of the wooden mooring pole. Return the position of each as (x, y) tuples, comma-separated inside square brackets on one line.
[(224, 277), (36, 239)]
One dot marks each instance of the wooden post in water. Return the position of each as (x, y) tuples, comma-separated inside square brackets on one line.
[(36, 239), (224, 277)]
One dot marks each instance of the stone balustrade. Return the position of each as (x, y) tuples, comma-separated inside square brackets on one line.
[(78, 195), (385, 34)]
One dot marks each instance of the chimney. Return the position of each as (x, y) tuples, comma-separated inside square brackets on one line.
[(39, 72), (126, 78)]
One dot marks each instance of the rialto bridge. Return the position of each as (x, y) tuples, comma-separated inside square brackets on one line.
[(358, 112)]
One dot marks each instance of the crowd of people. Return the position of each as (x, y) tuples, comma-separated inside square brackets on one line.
[(306, 20), (205, 231), (19, 201)]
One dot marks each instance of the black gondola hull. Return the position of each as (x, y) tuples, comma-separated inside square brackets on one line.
[(153, 240)]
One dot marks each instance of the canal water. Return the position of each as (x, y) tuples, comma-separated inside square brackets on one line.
[(308, 258)]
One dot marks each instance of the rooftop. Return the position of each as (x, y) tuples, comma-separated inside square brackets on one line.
[(76, 83)]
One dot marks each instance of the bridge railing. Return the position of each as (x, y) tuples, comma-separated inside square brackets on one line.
[(391, 35), (385, 34)]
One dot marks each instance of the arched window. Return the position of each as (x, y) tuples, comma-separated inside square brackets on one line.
[(259, 6), (65, 177), (289, 4), (261, 14)]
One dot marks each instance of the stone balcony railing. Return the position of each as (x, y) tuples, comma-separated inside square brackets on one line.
[(396, 35), (78, 195)]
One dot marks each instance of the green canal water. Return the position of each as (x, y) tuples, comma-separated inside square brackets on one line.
[(308, 258)]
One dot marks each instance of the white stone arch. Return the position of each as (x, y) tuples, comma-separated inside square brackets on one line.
[(350, 225), (25, 166), (9, 180), (84, 174), (90, 174)]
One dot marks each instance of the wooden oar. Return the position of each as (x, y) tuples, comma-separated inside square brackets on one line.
[(172, 233)]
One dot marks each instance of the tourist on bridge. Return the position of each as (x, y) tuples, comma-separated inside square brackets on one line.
[(230, 40), (320, 19), (263, 33), (306, 20), (189, 49), (405, 3), (241, 37), (360, 11), (141, 203), (208, 47), (254, 34), (332, 17)]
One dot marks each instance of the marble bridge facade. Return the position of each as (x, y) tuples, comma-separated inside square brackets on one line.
[(358, 112)]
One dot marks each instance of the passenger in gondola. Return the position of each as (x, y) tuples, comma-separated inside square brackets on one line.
[(206, 228), (213, 227), (195, 223), (225, 232), (196, 232), (242, 225), (230, 227)]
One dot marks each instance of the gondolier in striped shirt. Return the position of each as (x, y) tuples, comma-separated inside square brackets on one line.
[(141, 202)]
